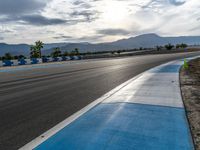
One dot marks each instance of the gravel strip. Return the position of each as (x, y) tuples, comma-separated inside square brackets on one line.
[(190, 87)]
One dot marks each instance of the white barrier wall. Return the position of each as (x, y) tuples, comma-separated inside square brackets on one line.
[(75, 57), (1, 63), (59, 58), (50, 59), (68, 58), (28, 61), (39, 60), (15, 62)]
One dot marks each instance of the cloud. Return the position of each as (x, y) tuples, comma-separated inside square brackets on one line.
[(26, 12), (86, 14), (113, 32), (41, 20), (155, 4), (147, 5), (96, 20), (177, 2), (14, 7), (82, 4), (84, 10), (78, 2), (34, 20), (63, 37), (90, 38), (4, 30)]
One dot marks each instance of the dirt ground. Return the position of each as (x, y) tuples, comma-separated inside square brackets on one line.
[(190, 87)]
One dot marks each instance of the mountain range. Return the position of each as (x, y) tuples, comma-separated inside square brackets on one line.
[(146, 41)]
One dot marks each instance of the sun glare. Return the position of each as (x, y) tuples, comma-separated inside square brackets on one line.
[(114, 12)]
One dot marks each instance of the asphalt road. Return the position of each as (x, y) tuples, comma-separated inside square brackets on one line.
[(33, 99)]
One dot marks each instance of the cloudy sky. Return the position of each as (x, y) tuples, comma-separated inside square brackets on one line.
[(25, 21)]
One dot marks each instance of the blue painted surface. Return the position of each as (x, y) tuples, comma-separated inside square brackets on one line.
[(71, 57), (79, 57), (167, 69), (22, 62), (31, 67), (55, 59), (7, 63), (45, 59), (34, 61), (64, 58), (124, 126)]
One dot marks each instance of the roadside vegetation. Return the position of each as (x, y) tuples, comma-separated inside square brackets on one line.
[(36, 51), (8, 56), (56, 52)]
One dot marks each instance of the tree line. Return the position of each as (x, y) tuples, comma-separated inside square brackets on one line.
[(35, 51), (169, 46)]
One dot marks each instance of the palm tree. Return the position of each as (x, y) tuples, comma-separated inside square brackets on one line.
[(36, 49), (66, 53), (33, 52), (8, 56), (56, 52), (118, 52), (76, 51), (39, 46), (177, 46), (169, 46), (183, 45), (158, 48)]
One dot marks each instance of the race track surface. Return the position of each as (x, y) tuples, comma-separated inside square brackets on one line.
[(33, 99)]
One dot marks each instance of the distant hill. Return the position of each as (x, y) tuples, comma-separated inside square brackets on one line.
[(145, 41), (152, 40), (24, 49), (15, 49), (87, 47)]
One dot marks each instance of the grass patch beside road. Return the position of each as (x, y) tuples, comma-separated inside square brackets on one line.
[(190, 87)]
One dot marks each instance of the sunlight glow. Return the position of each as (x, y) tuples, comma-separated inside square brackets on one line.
[(114, 12)]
